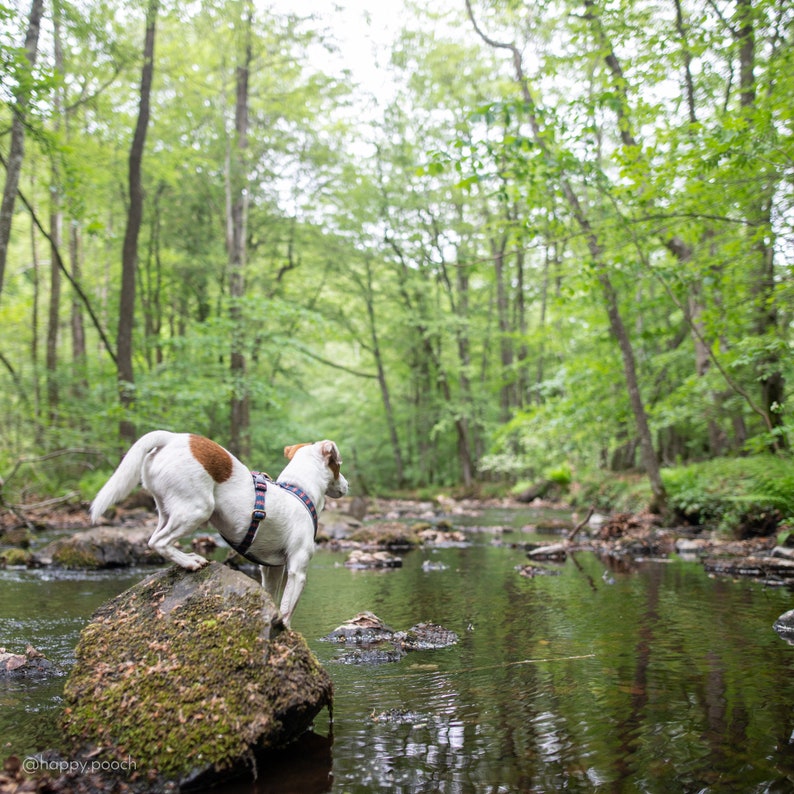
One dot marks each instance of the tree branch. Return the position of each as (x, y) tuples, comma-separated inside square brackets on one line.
[(59, 261)]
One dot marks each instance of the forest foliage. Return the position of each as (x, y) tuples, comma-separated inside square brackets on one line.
[(559, 234)]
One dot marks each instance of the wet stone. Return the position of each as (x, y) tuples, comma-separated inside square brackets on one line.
[(103, 547), (377, 643), (362, 559), (784, 626), (31, 664), (531, 571), (363, 629), (426, 637)]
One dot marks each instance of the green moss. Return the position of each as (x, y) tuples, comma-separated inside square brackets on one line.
[(15, 556), (71, 556), (387, 535), (190, 685)]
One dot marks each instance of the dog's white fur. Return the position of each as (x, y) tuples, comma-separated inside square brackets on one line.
[(195, 481)]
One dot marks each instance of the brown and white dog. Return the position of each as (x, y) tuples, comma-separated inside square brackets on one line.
[(194, 481)]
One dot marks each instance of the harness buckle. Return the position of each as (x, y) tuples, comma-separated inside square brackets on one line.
[(258, 515)]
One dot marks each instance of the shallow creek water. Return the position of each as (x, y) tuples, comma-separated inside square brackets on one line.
[(650, 677)]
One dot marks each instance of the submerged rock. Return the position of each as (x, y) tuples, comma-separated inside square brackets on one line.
[(377, 643), (103, 547), (191, 677), (425, 637), (531, 571), (31, 664), (784, 626), (363, 629), (361, 559)]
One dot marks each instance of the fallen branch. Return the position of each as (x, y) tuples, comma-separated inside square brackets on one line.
[(582, 522)]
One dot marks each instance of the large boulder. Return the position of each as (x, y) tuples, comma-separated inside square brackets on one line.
[(191, 677)]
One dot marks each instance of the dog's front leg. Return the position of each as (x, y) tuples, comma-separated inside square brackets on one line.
[(272, 579)]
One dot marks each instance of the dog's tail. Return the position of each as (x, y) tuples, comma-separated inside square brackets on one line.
[(128, 473)]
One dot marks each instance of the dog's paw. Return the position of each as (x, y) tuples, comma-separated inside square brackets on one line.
[(195, 562)]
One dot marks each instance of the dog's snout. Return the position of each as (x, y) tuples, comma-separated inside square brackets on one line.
[(338, 487)]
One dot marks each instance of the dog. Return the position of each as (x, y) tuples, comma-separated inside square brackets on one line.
[(195, 481)]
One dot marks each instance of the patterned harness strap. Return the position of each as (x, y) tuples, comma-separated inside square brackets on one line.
[(300, 494), (260, 485)]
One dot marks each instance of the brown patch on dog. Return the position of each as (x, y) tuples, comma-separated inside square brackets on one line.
[(289, 452), (332, 457), (213, 457)]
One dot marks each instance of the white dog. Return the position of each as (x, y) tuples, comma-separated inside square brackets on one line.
[(194, 481)]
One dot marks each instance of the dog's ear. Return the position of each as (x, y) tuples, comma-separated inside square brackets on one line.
[(289, 452), (332, 458)]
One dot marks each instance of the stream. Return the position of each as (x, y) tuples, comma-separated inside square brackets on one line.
[(609, 676)]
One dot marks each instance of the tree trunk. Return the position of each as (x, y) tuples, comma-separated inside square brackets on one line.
[(80, 385), (129, 263), (649, 459), (34, 331), (382, 382), (56, 229), (503, 320), (759, 212), (239, 431), (54, 314), (16, 150)]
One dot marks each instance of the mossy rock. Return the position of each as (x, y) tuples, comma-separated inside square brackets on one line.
[(386, 535), (102, 547), (14, 556), (190, 677)]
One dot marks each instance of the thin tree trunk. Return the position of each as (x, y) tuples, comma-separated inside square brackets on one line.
[(382, 381), (34, 336), (80, 385), (503, 321), (53, 317), (239, 431), (56, 229), (17, 148), (129, 264)]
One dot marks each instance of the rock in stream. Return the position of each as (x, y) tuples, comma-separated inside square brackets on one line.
[(190, 677), (101, 547), (375, 642)]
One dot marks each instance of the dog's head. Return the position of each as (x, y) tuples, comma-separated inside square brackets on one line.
[(328, 453)]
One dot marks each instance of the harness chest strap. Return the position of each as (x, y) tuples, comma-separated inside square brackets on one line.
[(304, 499), (259, 513)]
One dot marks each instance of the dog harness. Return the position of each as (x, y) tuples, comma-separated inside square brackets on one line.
[(304, 499), (259, 513)]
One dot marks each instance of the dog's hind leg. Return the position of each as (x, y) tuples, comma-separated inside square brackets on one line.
[(174, 525)]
